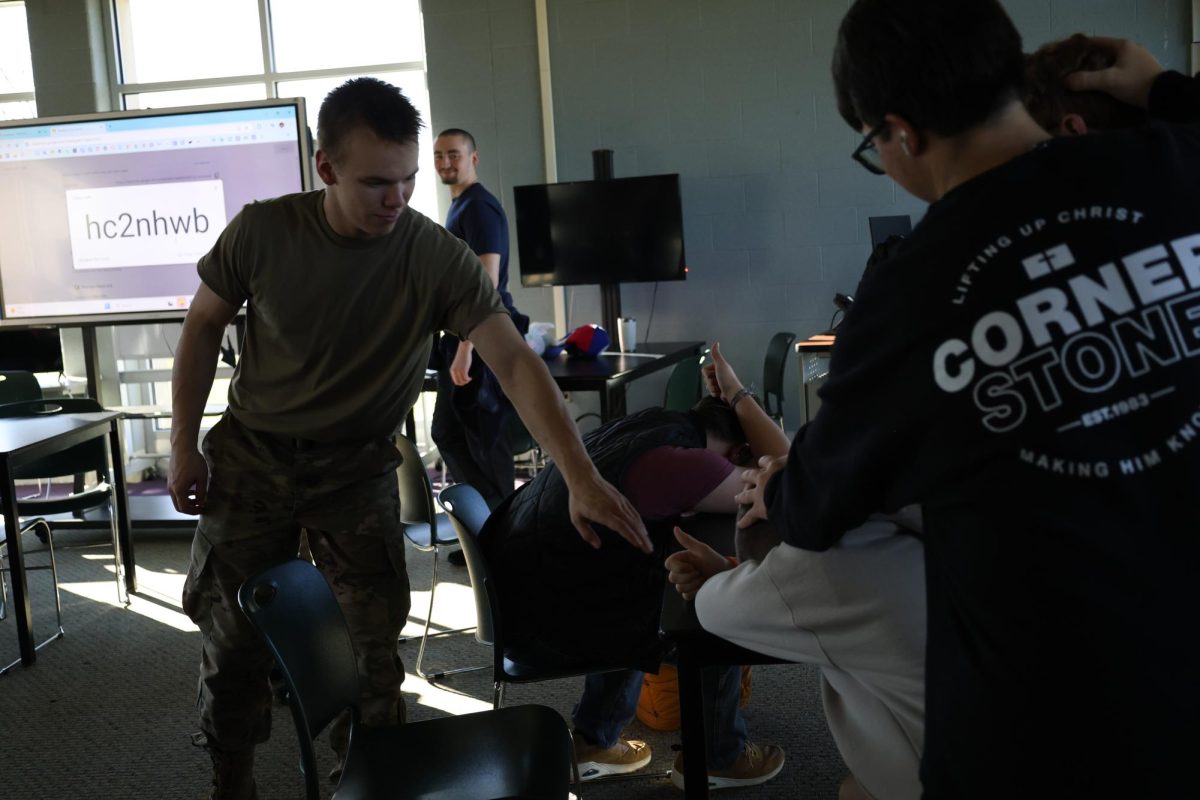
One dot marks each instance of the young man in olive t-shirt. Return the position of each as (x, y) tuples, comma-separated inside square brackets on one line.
[(344, 290)]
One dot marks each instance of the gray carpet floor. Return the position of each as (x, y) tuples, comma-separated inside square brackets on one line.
[(106, 712)]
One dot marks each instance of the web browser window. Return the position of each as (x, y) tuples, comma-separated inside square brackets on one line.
[(104, 216)]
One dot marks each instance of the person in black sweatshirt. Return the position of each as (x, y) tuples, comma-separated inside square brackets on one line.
[(1023, 367)]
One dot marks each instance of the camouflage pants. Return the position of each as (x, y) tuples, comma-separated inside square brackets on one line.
[(263, 490)]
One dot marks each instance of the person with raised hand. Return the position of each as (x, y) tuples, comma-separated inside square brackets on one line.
[(577, 604)]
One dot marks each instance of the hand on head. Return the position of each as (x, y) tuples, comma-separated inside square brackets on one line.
[(754, 495), (1129, 79), (719, 377), (689, 568)]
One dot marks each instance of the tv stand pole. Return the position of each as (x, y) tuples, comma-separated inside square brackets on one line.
[(610, 293)]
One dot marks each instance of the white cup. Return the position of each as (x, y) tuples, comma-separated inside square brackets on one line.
[(627, 334)]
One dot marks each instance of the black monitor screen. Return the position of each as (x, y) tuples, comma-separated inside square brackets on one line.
[(32, 350), (622, 230), (884, 228)]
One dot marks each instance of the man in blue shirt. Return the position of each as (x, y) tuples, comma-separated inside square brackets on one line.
[(470, 419)]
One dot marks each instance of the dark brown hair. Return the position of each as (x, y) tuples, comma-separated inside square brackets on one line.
[(718, 419), (379, 106)]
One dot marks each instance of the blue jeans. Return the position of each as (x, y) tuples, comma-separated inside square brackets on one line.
[(609, 703)]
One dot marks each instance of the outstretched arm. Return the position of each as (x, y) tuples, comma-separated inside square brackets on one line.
[(527, 382)]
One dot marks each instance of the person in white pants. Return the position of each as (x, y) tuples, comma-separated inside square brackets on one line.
[(856, 610)]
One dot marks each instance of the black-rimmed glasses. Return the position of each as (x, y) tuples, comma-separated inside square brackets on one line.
[(867, 153)]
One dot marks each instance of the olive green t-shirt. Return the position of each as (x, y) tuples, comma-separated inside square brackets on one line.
[(338, 330)]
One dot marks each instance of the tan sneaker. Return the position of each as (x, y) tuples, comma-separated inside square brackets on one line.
[(754, 766), (627, 755)]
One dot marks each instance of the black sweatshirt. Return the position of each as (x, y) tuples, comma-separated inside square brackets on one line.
[(1025, 367)]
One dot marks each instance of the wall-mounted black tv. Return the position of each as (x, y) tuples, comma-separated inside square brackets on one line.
[(103, 216), (621, 230)]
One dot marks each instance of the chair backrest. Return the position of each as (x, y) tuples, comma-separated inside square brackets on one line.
[(17, 385), (520, 437), (416, 491), (296, 612), (774, 366), (683, 387), (86, 457), (468, 511)]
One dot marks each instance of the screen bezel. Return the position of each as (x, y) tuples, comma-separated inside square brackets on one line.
[(543, 279), (304, 139)]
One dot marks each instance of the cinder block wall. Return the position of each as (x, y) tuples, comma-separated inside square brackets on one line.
[(734, 96), (737, 99)]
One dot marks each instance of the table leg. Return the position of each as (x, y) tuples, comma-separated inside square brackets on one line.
[(691, 724), (612, 403), (16, 563), (121, 505)]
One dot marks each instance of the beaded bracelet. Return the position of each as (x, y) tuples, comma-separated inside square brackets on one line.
[(738, 395)]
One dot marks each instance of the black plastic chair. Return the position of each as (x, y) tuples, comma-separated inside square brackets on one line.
[(16, 386), (77, 461), (774, 367), (43, 529), (683, 387), (523, 751), (428, 531), (527, 453), (468, 511)]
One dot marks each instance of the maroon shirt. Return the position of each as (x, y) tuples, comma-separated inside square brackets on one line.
[(667, 481)]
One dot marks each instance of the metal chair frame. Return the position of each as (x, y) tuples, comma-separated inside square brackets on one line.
[(48, 532), (82, 458), (426, 530)]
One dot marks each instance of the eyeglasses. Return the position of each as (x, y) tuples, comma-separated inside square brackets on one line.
[(867, 154)]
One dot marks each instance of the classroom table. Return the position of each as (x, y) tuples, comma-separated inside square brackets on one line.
[(26, 439), (609, 372)]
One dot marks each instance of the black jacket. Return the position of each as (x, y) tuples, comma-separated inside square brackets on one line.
[(556, 592)]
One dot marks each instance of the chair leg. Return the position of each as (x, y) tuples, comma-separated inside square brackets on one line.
[(118, 563), (426, 636), (59, 632), (3, 590), (54, 580)]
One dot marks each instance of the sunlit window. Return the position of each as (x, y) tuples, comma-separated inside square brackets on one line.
[(271, 48), (198, 52), (179, 40), (16, 65), (360, 32)]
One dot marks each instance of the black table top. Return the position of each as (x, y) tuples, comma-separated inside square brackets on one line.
[(612, 369), (19, 433)]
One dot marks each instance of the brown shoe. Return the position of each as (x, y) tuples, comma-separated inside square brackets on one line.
[(754, 766), (627, 755)]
